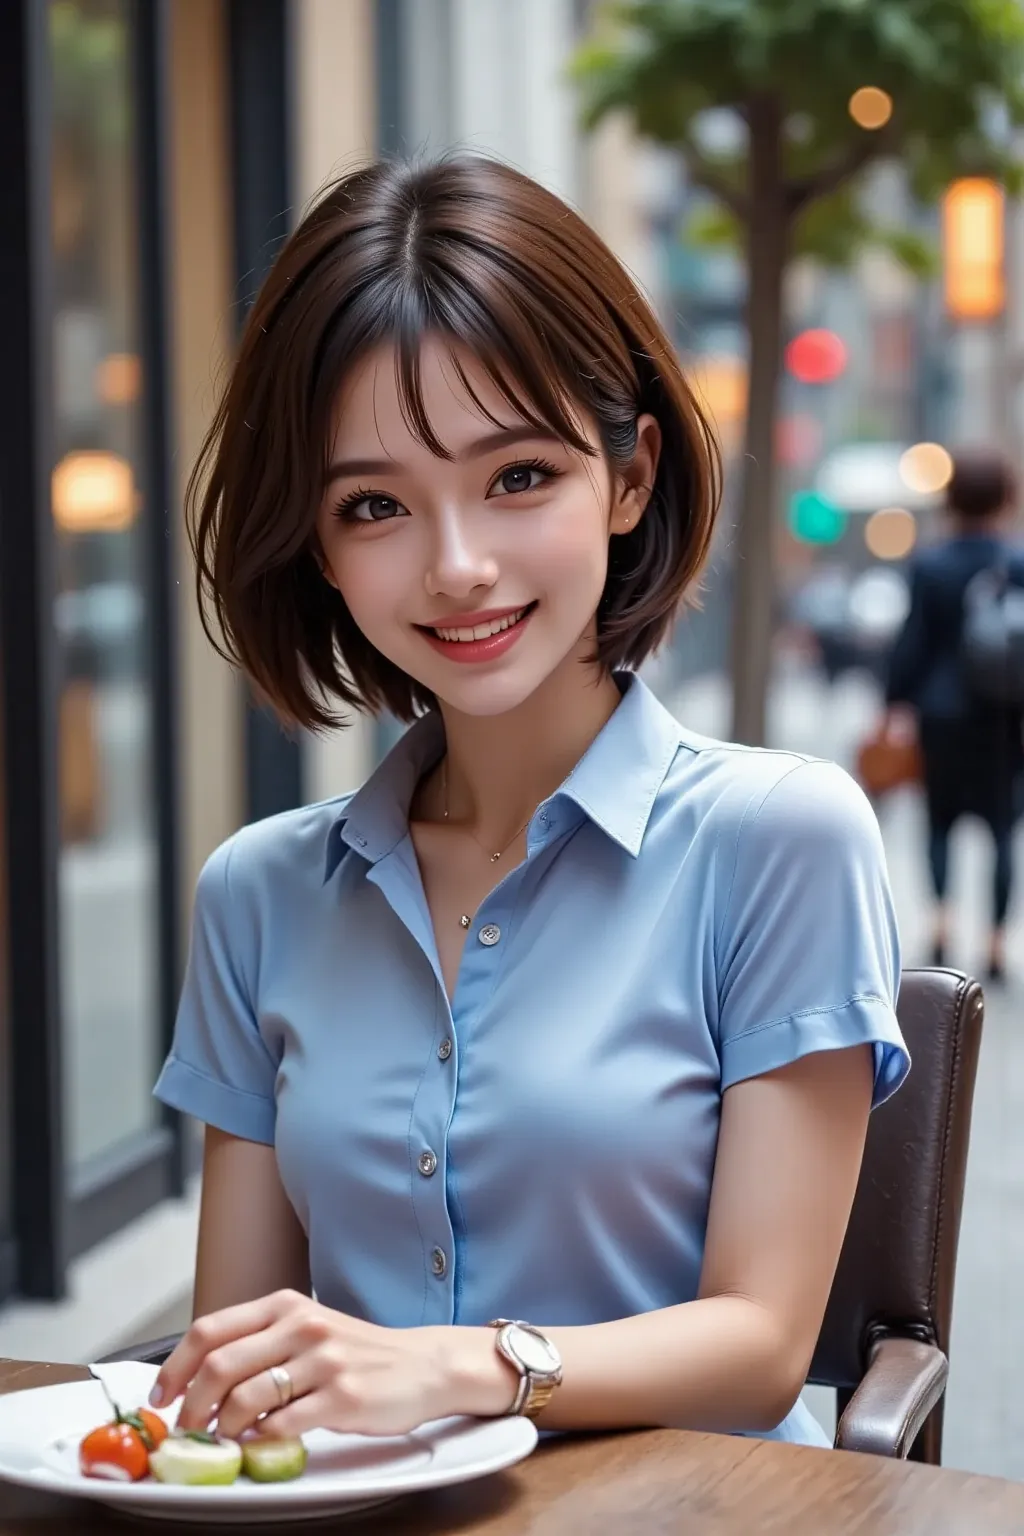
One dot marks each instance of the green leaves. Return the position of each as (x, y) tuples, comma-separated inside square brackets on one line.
[(833, 231), (954, 70)]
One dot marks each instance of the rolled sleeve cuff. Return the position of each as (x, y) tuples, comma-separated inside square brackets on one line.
[(860, 1021), (229, 1109)]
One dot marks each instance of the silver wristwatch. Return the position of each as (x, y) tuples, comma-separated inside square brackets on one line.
[(535, 1358)]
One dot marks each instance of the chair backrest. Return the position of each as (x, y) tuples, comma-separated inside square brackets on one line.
[(898, 1262)]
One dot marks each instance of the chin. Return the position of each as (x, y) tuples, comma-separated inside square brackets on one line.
[(486, 696), (485, 691)]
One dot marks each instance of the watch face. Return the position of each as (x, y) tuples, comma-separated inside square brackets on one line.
[(535, 1354)]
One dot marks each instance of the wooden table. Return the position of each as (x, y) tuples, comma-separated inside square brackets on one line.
[(645, 1484)]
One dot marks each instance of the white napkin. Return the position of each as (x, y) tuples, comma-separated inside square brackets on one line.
[(127, 1381)]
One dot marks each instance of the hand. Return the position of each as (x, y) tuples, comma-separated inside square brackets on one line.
[(347, 1375), (899, 722)]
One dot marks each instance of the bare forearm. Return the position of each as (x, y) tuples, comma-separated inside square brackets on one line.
[(714, 1364)]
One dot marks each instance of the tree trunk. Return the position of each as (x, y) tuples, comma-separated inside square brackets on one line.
[(753, 588)]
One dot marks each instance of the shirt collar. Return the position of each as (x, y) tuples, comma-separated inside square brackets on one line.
[(615, 783)]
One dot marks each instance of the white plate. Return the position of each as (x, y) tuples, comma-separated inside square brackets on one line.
[(40, 1431)]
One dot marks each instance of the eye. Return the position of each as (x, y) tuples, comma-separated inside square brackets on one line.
[(369, 507), (517, 478)]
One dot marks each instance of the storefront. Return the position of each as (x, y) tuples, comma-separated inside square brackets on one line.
[(86, 618), (155, 153)]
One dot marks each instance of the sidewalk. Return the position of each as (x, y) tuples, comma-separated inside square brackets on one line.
[(985, 1404)]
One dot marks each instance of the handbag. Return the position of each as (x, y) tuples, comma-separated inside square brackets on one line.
[(888, 759)]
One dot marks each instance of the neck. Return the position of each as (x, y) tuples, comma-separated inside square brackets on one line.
[(500, 767)]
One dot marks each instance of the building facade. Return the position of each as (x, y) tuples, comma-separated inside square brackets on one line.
[(157, 153)]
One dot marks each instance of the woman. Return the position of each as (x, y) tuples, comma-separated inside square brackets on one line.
[(971, 748), (568, 1015)]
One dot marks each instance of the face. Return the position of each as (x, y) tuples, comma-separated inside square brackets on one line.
[(479, 576)]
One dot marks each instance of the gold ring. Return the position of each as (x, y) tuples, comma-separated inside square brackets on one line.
[(284, 1384)]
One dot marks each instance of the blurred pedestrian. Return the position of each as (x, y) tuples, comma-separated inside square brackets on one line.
[(970, 742)]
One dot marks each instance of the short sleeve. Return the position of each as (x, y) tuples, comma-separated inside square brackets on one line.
[(808, 949), (219, 1068)]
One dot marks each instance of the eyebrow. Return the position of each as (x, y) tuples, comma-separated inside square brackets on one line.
[(507, 437)]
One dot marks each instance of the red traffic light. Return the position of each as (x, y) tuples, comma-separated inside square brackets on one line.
[(816, 357)]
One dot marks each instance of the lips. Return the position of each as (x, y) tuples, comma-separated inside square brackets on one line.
[(482, 641), (463, 634)]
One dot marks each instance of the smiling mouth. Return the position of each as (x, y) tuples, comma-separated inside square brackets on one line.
[(481, 631)]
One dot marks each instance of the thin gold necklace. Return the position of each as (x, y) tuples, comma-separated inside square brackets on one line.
[(493, 857), (464, 920)]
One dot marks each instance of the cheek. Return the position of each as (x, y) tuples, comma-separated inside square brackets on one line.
[(370, 583), (573, 552)]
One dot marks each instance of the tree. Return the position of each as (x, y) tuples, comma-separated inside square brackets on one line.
[(954, 70)]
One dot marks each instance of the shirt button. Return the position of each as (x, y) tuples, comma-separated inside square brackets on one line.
[(438, 1263), (489, 934), (444, 1050), (427, 1163)]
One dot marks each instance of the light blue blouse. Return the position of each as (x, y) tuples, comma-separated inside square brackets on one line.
[(689, 914)]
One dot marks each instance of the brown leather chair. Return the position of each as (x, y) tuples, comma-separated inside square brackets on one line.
[(885, 1339), (884, 1344)]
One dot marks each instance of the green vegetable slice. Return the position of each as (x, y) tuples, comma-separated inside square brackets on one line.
[(273, 1461), (195, 1459)]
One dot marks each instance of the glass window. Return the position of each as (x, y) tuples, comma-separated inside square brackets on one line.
[(6, 1127), (108, 858)]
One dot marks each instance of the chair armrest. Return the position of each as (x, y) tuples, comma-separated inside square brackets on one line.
[(904, 1380), (152, 1352)]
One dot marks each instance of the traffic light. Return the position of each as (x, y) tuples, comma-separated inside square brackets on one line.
[(816, 356), (813, 519), (973, 225)]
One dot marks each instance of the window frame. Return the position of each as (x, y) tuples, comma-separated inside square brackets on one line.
[(59, 1213)]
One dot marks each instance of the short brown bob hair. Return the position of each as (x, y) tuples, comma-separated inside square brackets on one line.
[(468, 249)]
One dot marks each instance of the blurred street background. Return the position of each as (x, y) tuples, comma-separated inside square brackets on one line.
[(157, 153)]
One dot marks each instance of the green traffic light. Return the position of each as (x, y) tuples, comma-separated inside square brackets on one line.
[(814, 519)]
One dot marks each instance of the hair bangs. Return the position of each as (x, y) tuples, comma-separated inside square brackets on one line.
[(535, 383)]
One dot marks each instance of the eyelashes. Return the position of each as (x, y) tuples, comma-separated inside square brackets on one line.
[(346, 509)]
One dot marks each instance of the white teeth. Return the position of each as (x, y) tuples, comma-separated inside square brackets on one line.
[(481, 631)]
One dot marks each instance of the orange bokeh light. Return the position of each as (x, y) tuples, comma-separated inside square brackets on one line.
[(973, 249), (870, 107)]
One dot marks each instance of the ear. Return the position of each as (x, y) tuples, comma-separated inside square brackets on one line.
[(634, 485)]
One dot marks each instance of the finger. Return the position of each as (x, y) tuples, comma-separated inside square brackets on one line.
[(260, 1394), (338, 1407), (206, 1334), (316, 1410), (225, 1369)]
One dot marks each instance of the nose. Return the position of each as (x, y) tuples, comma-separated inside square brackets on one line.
[(458, 562)]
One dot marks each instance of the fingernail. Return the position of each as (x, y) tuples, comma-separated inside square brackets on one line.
[(156, 1397)]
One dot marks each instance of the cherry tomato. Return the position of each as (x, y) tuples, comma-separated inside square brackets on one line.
[(154, 1428), (114, 1451)]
